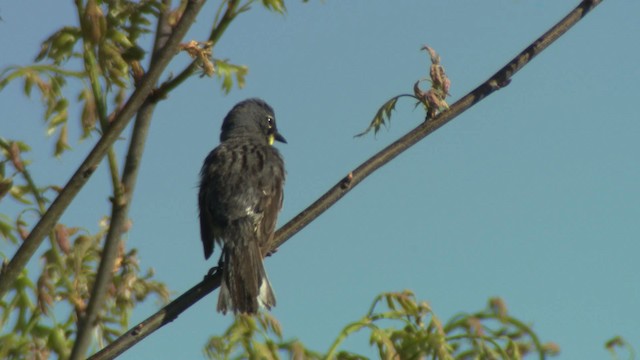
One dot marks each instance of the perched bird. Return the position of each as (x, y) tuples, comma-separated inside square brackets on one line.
[(240, 196)]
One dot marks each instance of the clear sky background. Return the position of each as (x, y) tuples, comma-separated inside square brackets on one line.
[(532, 195)]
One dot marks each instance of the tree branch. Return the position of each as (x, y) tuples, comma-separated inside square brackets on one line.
[(121, 205), (160, 318), (88, 166), (495, 82), (119, 216), (216, 32), (163, 31), (498, 80)]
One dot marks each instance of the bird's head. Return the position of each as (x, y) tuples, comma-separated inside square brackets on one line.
[(252, 118)]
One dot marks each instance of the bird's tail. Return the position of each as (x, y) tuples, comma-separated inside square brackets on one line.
[(245, 286)]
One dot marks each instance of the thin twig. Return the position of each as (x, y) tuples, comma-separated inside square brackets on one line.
[(216, 32), (93, 72), (88, 166), (498, 80)]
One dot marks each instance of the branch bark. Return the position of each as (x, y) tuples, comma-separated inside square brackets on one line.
[(82, 175), (353, 178)]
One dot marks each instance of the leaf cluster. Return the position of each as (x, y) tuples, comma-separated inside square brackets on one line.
[(618, 344), (38, 317), (250, 337), (433, 99), (103, 55), (400, 327)]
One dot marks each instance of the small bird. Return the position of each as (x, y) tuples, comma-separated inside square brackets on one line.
[(241, 192)]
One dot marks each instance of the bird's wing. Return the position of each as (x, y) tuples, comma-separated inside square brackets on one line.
[(206, 193), (270, 201), (246, 193), (224, 197)]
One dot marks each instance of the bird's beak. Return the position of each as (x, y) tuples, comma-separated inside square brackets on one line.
[(279, 137)]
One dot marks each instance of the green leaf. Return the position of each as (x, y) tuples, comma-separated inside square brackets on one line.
[(18, 193), (28, 84), (61, 105), (24, 147), (58, 342), (6, 229), (9, 74), (120, 38), (62, 143), (275, 5), (383, 116), (58, 119), (5, 186), (227, 72), (59, 46)]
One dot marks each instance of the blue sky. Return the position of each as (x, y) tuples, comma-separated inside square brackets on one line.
[(532, 195)]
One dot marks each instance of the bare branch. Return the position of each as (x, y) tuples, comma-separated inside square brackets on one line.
[(495, 82), (353, 178)]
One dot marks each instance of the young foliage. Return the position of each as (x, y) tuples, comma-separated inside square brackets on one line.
[(252, 337), (227, 72), (433, 100), (617, 344), (275, 5), (400, 327), (38, 317)]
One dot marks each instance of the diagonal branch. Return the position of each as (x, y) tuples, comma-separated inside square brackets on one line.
[(160, 318), (88, 166), (495, 82)]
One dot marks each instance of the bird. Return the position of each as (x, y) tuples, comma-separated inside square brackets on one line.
[(239, 198)]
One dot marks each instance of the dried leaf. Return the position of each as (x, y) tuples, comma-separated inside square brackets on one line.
[(22, 231), (14, 154), (62, 234), (201, 51), (44, 290), (94, 21), (89, 114)]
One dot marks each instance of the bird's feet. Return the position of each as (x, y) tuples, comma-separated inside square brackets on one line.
[(212, 271)]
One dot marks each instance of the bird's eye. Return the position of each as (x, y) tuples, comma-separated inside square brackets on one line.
[(270, 121)]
